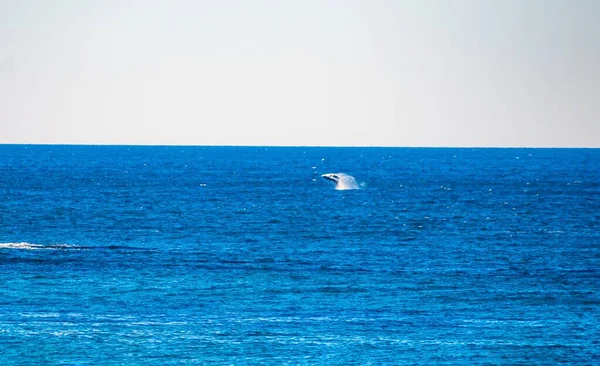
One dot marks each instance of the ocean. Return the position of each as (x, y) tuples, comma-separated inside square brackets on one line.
[(139, 255)]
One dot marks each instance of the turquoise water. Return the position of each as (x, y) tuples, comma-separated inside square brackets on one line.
[(245, 255)]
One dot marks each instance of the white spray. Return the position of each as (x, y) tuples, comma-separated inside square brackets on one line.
[(342, 181)]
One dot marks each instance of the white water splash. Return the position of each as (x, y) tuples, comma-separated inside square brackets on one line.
[(342, 181)]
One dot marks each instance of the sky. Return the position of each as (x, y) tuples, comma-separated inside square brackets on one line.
[(303, 73)]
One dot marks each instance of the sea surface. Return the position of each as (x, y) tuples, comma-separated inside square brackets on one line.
[(123, 255)]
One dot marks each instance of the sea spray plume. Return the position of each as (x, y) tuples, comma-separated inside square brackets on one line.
[(342, 181)]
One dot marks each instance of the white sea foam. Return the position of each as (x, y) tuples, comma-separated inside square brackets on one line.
[(30, 246), (23, 245)]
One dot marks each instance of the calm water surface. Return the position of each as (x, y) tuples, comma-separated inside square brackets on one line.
[(244, 255)]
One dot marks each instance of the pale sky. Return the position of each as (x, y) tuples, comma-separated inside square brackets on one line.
[(330, 73)]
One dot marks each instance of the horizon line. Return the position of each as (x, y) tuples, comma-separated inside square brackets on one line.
[(313, 146)]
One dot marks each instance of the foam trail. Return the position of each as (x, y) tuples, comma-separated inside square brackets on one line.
[(29, 246), (23, 245), (342, 181)]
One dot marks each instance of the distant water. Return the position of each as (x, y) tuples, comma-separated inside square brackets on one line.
[(245, 255)]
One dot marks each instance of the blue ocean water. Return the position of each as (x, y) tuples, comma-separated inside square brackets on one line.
[(244, 255)]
